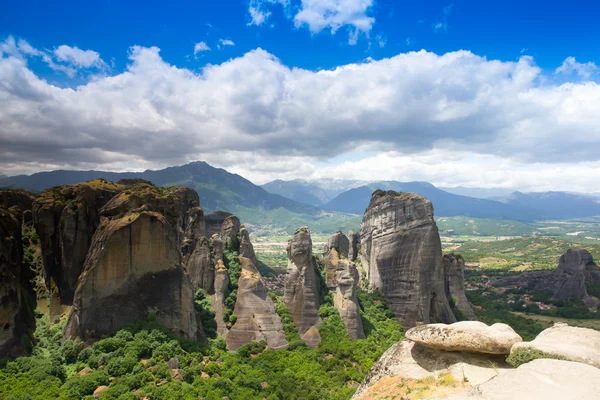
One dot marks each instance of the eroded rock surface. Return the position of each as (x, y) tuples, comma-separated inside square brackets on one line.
[(468, 336), (354, 242), (221, 283), (401, 255), (340, 242), (214, 222), (65, 218), (133, 270), (301, 294), (256, 316), (454, 271), (230, 229), (341, 276), (196, 253), (542, 379), (17, 299), (576, 270), (409, 360), (574, 344), (16, 198)]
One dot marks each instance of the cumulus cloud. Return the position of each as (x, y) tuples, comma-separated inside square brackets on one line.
[(570, 66), (264, 119), (77, 57), (200, 47), (333, 14), (258, 10)]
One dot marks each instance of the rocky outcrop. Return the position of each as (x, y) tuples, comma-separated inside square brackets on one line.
[(221, 283), (196, 253), (230, 229), (174, 203), (354, 242), (134, 268), (256, 316), (568, 342), (341, 276), (301, 292), (214, 222), (407, 360), (340, 242), (401, 255), (542, 379), (469, 336), (576, 270), (65, 218), (16, 198), (454, 272), (17, 299)]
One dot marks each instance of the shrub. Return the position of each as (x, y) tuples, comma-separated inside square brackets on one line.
[(524, 355)]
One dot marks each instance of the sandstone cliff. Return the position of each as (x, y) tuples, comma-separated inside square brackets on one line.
[(576, 270), (16, 198), (133, 270), (196, 253), (301, 295), (454, 271), (230, 230), (17, 299), (214, 222), (401, 255), (256, 316), (65, 218), (342, 277), (354, 241)]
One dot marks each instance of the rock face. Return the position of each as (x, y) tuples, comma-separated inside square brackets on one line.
[(340, 242), (469, 336), (65, 219), (301, 294), (354, 242), (401, 254), (134, 269), (574, 344), (542, 379), (230, 229), (454, 271), (341, 276), (409, 360), (196, 253), (16, 198), (576, 269), (214, 222), (256, 316), (17, 299)]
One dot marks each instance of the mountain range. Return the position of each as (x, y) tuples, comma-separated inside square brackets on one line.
[(327, 204)]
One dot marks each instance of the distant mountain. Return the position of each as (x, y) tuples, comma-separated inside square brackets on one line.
[(560, 205), (217, 188), (316, 192), (445, 204), (479, 193)]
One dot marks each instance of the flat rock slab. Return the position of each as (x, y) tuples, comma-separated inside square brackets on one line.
[(541, 379), (467, 336), (574, 344), (409, 360)]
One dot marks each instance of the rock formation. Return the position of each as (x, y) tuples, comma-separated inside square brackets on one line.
[(256, 316), (17, 299), (354, 242), (65, 218), (469, 336), (301, 294), (542, 379), (401, 254), (16, 198), (576, 270), (340, 242), (196, 253), (134, 269), (214, 222), (341, 276), (569, 342), (230, 229), (454, 272)]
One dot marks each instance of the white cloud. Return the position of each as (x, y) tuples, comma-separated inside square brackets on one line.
[(200, 47), (381, 40), (442, 26), (77, 57), (570, 66), (455, 118), (225, 43), (334, 14), (258, 10)]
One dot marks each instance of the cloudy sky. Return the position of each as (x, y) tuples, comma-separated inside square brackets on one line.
[(455, 93)]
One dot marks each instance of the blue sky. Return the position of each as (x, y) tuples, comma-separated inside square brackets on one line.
[(457, 93), (548, 30)]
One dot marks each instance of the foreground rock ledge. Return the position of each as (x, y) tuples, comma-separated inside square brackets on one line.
[(469, 336), (574, 344)]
